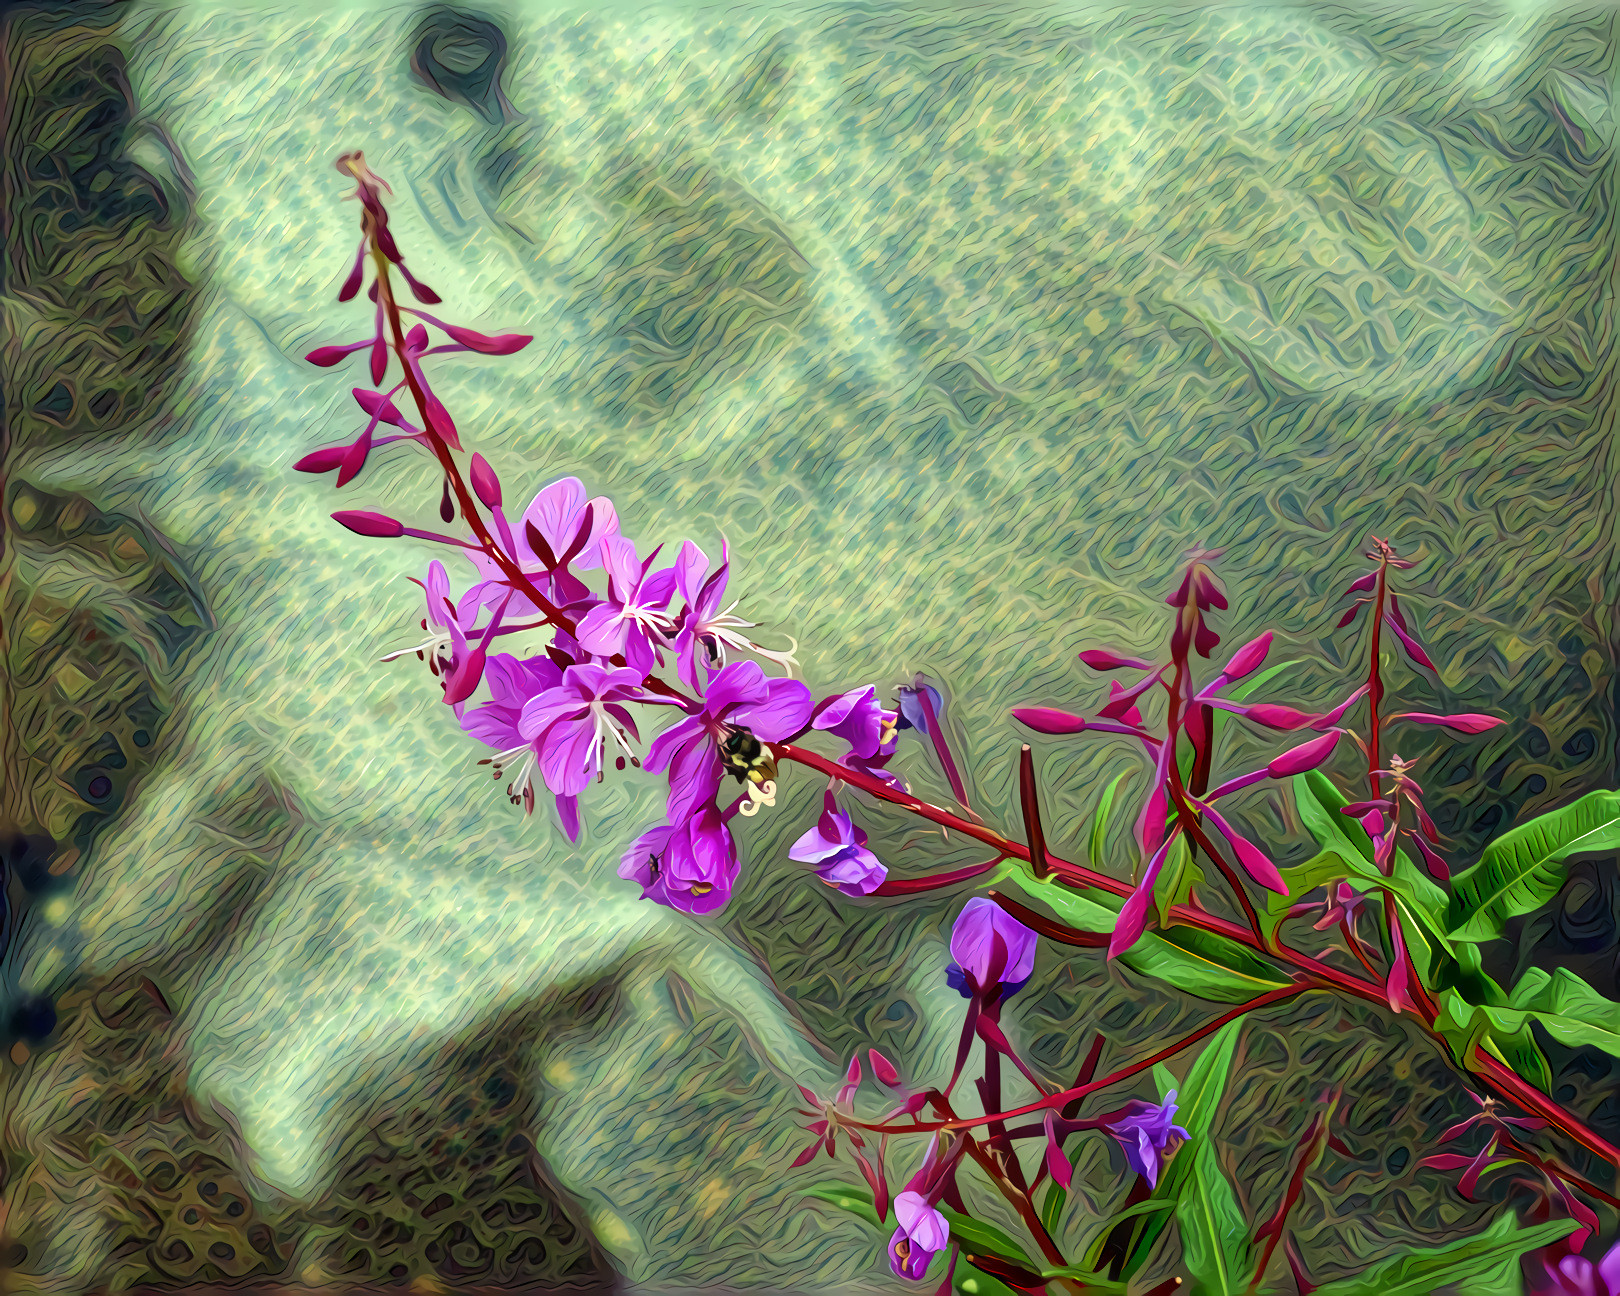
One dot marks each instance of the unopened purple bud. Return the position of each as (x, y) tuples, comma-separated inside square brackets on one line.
[(1100, 659), (369, 524), (1049, 720), (327, 356), (1276, 717), (486, 485), (1468, 722), (355, 459), (321, 461)]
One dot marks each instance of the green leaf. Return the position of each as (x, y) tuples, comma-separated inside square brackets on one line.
[(984, 1239), (1214, 1234), (971, 1282), (1197, 1099), (1572, 1011), (857, 1201), (1152, 1206), (1244, 687), (1179, 875), (1097, 1284), (1099, 825), (1425, 1270), (1052, 1206), (1524, 868), (1199, 1095), (1192, 961), (1503, 1031)]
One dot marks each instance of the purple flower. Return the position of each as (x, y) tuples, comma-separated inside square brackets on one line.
[(445, 648), (1574, 1275), (511, 684), (741, 704), (634, 619), (872, 733), (558, 514), (704, 624), (643, 863), (912, 714), (691, 867), (1147, 1132), (994, 952), (838, 850), (860, 720), (923, 1234), (568, 725)]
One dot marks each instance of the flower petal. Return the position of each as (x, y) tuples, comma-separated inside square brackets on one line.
[(783, 712)]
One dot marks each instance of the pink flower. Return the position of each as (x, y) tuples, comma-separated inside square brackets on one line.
[(569, 725)]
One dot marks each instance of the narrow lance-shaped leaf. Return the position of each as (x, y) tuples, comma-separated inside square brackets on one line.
[(1099, 825), (1192, 961), (1425, 1270), (1214, 1234), (1198, 1098)]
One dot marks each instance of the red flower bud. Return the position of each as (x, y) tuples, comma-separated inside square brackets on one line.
[(321, 461), (1100, 659), (369, 524), (884, 1069), (1049, 720), (486, 485), (1307, 756), (1467, 722), (327, 356), (1276, 717), (1248, 657)]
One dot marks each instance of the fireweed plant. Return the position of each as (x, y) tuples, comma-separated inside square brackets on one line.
[(651, 640)]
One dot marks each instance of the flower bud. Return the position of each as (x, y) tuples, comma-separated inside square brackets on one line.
[(486, 485), (369, 524)]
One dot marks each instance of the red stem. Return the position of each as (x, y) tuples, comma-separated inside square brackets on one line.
[(441, 451), (912, 886)]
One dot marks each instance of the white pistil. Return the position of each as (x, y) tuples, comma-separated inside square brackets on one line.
[(759, 794)]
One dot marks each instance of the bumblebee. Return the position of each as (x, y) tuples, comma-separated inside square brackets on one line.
[(746, 758)]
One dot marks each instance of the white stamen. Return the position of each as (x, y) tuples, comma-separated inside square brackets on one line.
[(525, 775), (606, 726)]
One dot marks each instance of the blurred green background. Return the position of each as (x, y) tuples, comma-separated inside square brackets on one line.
[(961, 325)]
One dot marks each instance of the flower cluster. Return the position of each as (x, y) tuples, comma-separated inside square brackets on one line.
[(617, 634)]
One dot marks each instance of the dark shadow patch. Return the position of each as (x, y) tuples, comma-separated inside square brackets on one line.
[(698, 286), (460, 56)]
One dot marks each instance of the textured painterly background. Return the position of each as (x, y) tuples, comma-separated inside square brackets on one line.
[(962, 325)]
